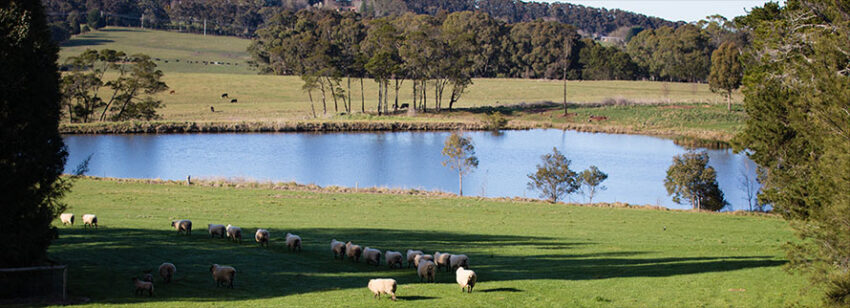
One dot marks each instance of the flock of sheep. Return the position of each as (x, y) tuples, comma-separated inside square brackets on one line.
[(426, 265)]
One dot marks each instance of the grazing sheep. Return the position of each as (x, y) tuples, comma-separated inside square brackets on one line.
[(142, 286), (353, 251), (262, 237), (234, 233), (183, 225), (167, 271), (459, 261), (466, 279), (223, 275), (89, 220), (234, 100), (293, 242), (427, 270), (372, 255), (419, 258), (338, 248), (214, 230), (393, 258), (67, 218), (147, 277), (383, 286), (411, 255), (442, 260)]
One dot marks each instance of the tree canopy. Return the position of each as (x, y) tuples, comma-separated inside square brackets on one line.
[(554, 179), (690, 179)]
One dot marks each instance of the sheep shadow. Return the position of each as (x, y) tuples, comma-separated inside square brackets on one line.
[(103, 261), (416, 298)]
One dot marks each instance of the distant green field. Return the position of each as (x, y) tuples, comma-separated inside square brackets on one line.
[(525, 254)]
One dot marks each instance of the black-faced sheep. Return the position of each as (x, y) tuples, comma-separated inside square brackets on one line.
[(459, 261), (338, 248), (89, 220), (353, 251), (420, 258), (67, 218), (167, 271), (466, 279), (234, 233), (183, 225), (293, 242), (142, 286), (383, 286), (147, 277), (262, 236), (223, 275), (372, 255), (393, 258), (426, 270), (411, 256), (442, 260), (214, 230)]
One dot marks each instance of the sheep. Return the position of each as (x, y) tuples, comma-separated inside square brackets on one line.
[(466, 279), (426, 269), (147, 277), (167, 271), (338, 248), (142, 286), (419, 258), (353, 251), (411, 255), (393, 258), (383, 286), (183, 225), (459, 261), (372, 255), (223, 275), (67, 218), (442, 260), (262, 237), (293, 242), (234, 233), (89, 220), (214, 230)]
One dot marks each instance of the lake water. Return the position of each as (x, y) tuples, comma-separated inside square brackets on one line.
[(636, 165)]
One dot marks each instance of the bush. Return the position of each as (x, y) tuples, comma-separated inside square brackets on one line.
[(495, 121)]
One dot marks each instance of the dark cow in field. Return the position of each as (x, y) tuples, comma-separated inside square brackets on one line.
[(224, 95), (234, 100), (172, 92), (212, 109), (597, 118), (404, 106)]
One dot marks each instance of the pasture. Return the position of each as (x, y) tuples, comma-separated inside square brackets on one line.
[(525, 253)]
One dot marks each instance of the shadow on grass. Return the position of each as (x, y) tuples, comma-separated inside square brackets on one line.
[(415, 298), (511, 290), (85, 42), (103, 261)]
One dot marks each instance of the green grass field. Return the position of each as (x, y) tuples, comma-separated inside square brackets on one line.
[(525, 254), (274, 98)]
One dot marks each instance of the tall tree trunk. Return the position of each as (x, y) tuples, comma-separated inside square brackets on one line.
[(333, 94), (312, 108), (348, 107), (424, 96), (415, 94), (362, 97), (386, 96), (729, 101), (380, 98), (324, 101), (395, 105), (460, 189)]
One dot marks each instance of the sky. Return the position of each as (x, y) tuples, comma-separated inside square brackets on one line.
[(674, 10)]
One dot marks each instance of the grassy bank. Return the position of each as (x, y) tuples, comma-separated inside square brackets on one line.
[(526, 254)]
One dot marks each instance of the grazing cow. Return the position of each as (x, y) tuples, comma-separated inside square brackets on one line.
[(404, 106), (234, 100), (172, 92), (597, 118), (224, 95), (212, 108)]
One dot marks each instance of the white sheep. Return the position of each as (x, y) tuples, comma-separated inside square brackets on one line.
[(182, 225), (293, 242), (411, 256), (353, 251), (427, 270), (338, 248), (459, 261), (383, 286), (89, 220), (393, 258), (214, 230), (262, 236), (167, 271), (419, 258), (234, 233), (466, 279), (372, 255), (142, 286), (67, 218), (223, 275), (442, 260)]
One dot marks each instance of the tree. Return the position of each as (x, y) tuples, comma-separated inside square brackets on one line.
[(690, 179), (553, 178), (460, 153), (591, 180), (94, 20), (32, 155), (795, 90), (726, 71)]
